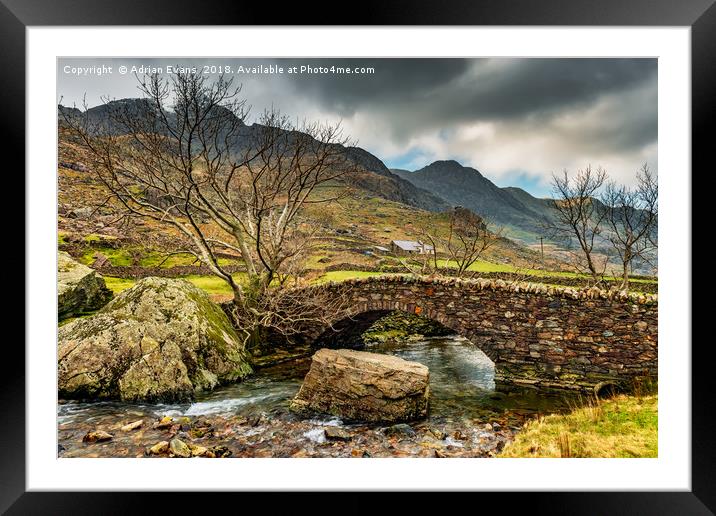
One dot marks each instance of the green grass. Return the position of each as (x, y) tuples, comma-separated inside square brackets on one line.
[(153, 259), (345, 275), (118, 285), (125, 257), (117, 257), (625, 426), (484, 266), (213, 285), (313, 261), (216, 286)]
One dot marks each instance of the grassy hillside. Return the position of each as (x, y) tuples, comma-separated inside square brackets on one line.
[(352, 229)]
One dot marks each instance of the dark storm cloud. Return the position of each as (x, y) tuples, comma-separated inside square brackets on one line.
[(515, 88), (498, 115), (467, 88), (419, 95), (402, 80)]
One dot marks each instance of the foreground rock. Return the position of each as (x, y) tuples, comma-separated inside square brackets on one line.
[(161, 340), (79, 288), (362, 386), (159, 448), (131, 426), (97, 436), (179, 448), (336, 433)]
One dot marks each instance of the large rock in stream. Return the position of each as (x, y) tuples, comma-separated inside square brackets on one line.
[(161, 340), (79, 288), (361, 386)]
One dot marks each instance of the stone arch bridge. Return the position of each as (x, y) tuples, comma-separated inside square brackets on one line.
[(537, 336)]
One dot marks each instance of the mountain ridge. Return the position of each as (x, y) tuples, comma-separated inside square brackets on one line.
[(514, 208), (373, 176)]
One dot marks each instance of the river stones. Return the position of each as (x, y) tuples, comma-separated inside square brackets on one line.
[(399, 430), (163, 423), (179, 448), (159, 448), (336, 433), (96, 436), (361, 386), (161, 340), (79, 288), (131, 426)]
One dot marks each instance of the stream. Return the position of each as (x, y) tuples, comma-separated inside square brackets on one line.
[(468, 418)]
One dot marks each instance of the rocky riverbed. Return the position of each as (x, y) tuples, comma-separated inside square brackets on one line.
[(468, 418), (274, 435)]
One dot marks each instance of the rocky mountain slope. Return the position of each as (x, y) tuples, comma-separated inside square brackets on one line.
[(370, 173), (518, 211)]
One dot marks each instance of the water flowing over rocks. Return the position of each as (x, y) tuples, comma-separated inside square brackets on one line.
[(252, 418), (161, 340), (362, 386), (79, 288)]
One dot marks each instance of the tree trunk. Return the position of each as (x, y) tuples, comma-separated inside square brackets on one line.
[(592, 269), (625, 277), (625, 270)]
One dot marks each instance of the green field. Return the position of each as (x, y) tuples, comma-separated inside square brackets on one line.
[(216, 286), (484, 266), (345, 275), (129, 256), (213, 285)]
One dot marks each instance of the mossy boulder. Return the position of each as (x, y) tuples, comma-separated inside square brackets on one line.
[(79, 288), (161, 340)]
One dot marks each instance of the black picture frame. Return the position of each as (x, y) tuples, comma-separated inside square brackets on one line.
[(700, 15)]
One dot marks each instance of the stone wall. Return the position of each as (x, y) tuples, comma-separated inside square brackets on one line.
[(647, 287), (537, 336)]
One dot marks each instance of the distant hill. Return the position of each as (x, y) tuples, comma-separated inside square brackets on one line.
[(371, 174), (522, 214), (392, 186)]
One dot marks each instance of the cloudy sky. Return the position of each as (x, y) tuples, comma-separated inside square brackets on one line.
[(515, 120)]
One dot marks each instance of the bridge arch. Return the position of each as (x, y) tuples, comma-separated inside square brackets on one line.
[(364, 314)]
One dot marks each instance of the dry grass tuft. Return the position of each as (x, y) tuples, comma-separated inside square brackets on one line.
[(624, 426)]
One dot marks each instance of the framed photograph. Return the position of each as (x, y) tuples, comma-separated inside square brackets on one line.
[(301, 257)]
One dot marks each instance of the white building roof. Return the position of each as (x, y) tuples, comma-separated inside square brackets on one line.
[(411, 245)]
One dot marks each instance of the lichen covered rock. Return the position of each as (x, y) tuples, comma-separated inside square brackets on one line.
[(79, 288), (361, 386), (161, 340)]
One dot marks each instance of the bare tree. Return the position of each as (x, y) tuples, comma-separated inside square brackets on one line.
[(468, 238), (631, 216), (578, 217), (183, 157), (460, 235), (427, 263)]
